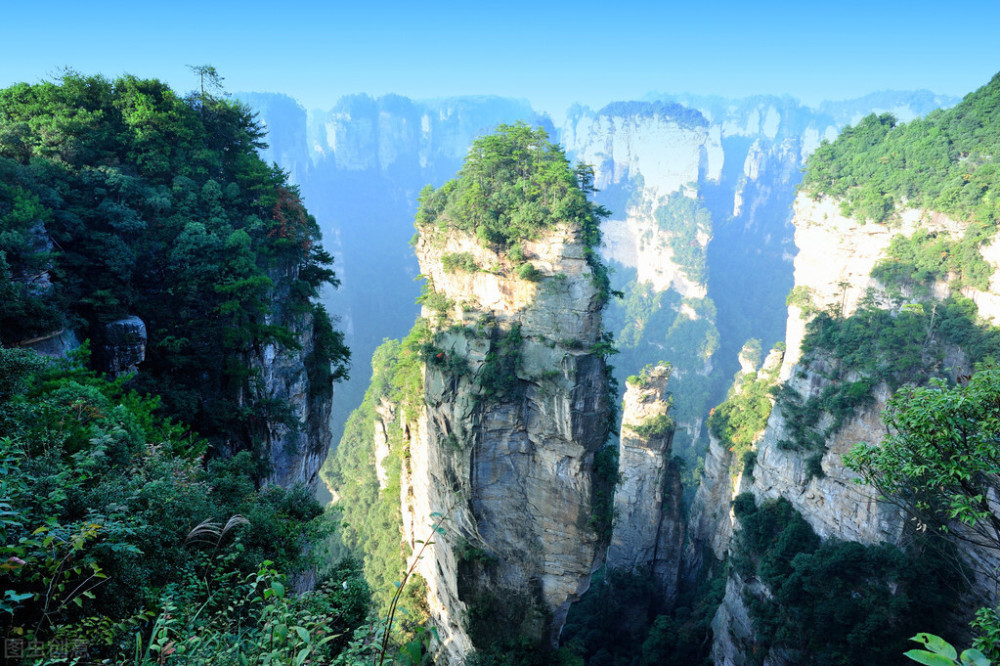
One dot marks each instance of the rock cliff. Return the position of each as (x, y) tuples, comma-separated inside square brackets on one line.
[(516, 405), (648, 531), (833, 272), (642, 153)]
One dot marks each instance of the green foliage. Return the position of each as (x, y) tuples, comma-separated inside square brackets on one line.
[(642, 380), (621, 619), (684, 219), (527, 271), (372, 515), (917, 261), (514, 183), (129, 199), (832, 602), (873, 346), (939, 652), (942, 162), (801, 296), (602, 502), (218, 618), (659, 425), (105, 503), (497, 378), (459, 261), (940, 457), (739, 421), (435, 300), (987, 627)]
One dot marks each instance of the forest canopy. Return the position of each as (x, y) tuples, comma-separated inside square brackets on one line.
[(120, 197), (944, 162)]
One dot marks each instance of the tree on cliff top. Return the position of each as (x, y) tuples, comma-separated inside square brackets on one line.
[(515, 183)]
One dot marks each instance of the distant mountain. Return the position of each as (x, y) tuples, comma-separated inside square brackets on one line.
[(727, 168)]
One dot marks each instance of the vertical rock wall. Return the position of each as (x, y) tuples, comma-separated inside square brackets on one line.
[(511, 466), (836, 255), (648, 531)]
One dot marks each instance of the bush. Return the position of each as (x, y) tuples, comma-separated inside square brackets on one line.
[(459, 261), (942, 162), (527, 271), (833, 602)]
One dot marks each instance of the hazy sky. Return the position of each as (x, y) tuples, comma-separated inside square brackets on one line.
[(550, 53)]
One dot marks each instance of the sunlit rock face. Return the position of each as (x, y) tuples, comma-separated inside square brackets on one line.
[(645, 151), (398, 133), (833, 264), (511, 471)]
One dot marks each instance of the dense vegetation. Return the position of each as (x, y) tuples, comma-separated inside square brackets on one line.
[(741, 418), (132, 517), (514, 184), (944, 162), (622, 621), (915, 262), (115, 533), (135, 201), (939, 463), (371, 514), (684, 219), (833, 602), (874, 346)]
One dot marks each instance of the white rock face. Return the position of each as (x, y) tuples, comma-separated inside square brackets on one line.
[(652, 154), (834, 505), (639, 242), (513, 472), (836, 255), (667, 153)]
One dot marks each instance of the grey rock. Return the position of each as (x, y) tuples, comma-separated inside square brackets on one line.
[(124, 345)]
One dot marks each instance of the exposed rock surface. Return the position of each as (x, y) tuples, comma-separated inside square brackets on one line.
[(512, 472), (648, 532), (296, 452), (711, 520), (124, 345), (650, 151), (836, 255)]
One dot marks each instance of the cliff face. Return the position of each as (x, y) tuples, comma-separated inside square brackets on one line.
[(366, 159), (641, 154), (737, 162), (296, 443), (648, 532), (510, 462), (833, 269)]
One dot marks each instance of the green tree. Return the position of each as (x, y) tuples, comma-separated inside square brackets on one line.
[(940, 459), (940, 462)]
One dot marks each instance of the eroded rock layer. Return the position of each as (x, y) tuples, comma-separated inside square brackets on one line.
[(516, 405)]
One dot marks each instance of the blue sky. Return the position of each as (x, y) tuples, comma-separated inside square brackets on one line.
[(551, 53)]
